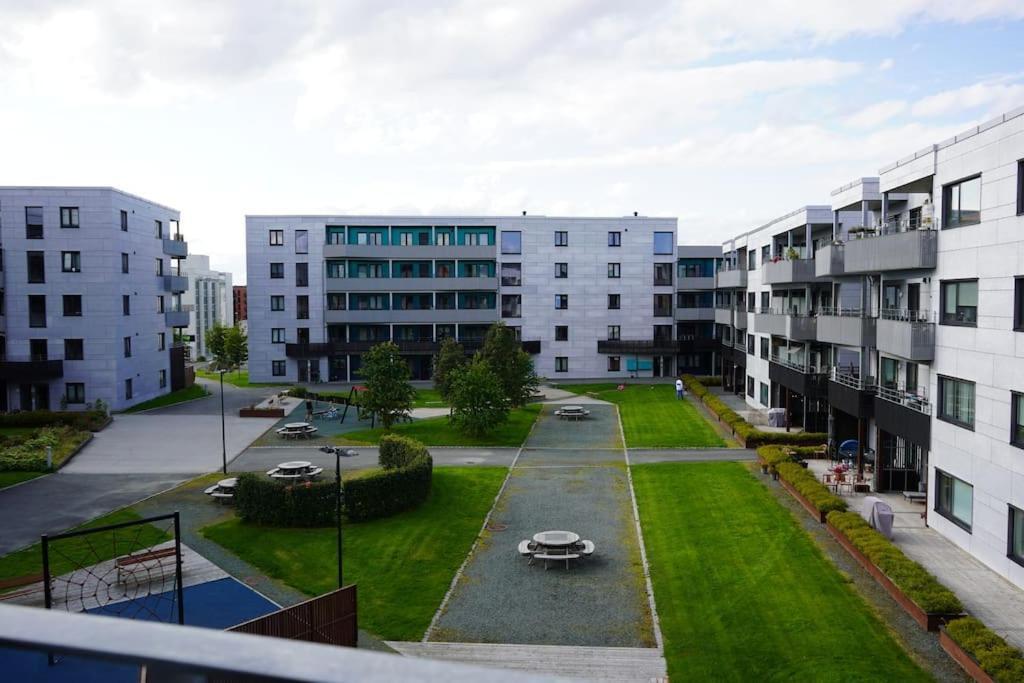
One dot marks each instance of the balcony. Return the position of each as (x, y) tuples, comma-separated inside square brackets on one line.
[(797, 327), (690, 283), (696, 313), (739, 318), (797, 376), (892, 251), (641, 347), (31, 370), (904, 414), (696, 344), (424, 345), (723, 316), (413, 315), (176, 318), (411, 284), (786, 272), (175, 283), (845, 327), (830, 260), (906, 334), (176, 247), (852, 394), (429, 251), (734, 278)]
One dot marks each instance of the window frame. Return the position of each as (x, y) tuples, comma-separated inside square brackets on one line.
[(275, 364), (79, 353), (617, 301), (517, 248), (614, 238), (72, 222), (940, 411), (275, 298), (79, 397), (671, 239), (302, 274), (126, 304), (947, 197), (942, 301), (65, 298), (1018, 304), (29, 267), (561, 363), (126, 343), (509, 281), (275, 237), (277, 270), (76, 259), (948, 514), (125, 267), (562, 333), (1020, 187), (277, 335), (561, 238), (561, 302), (1011, 528), (162, 378), (615, 361), (614, 332), (30, 228), (129, 389), (561, 270), (124, 220), (614, 270), (1016, 419), (302, 241)]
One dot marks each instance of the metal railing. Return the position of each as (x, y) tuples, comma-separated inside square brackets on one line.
[(799, 365), (907, 316), (840, 312), (853, 380), (795, 312), (914, 401)]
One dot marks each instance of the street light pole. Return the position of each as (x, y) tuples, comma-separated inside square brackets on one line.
[(337, 508), (223, 438)]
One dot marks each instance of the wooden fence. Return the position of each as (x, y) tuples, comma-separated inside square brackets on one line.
[(328, 619)]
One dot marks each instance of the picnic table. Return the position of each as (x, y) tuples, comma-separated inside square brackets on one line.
[(295, 470), (223, 490), (572, 413), (556, 546), (297, 430)]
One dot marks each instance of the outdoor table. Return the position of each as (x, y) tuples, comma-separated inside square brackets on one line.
[(556, 539), (229, 483), (297, 426), (294, 467)]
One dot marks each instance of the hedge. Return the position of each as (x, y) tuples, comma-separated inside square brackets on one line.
[(399, 451), (262, 500), (1000, 660), (385, 492), (773, 455), (86, 420), (810, 488), (27, 453), (910, 577), (751, 436), (710, 380)]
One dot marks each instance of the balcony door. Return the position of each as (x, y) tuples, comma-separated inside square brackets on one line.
[(892, 297), (34, 396), (914, 296)]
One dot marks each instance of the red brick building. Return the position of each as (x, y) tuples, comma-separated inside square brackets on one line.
[(240, 303)]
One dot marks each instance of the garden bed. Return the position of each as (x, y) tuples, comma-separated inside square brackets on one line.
[(962, 657), (984, 655), (261, 412), (804, 503)]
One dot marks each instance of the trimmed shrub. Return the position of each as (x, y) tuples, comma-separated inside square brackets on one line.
[(773, 455), (398, 451), (1000, 660), (386, 492), (86, 420), (710, 380), (261, 500), (298, 392), (910, 577), (810, 488), (27, 453)]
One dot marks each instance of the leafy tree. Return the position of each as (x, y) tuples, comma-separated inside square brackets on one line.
[(450, 357), (236, 347), (512, 366), (478, 402), (215, 344), (386, 375)]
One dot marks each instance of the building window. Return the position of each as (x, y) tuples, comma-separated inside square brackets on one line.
[(443, 239), (302, 275), (277, 335), (561, 301), (276, 302), (561, 238), (750, 386), (663, 274), (276, 271), (614, 270), (956, 401), (561, 270), (301, 241), (511, 242), (444, 301), (74, 349), (335, 301), (160, 304), (1017, 419), (614, 302), (276, 238), (614, 363), (69, 216), (124, 262), (36, 267), (614, 239), (277, 368), (161, 341), (750, 345), (33, 222), (73, 305), (124, 221), (302, 307), (1018, 304), (127, 389), (511, 306), (1015, 537), (126, 304), (36, 310), (614, 332), (961, 203), (765, 348), (162, 378), (662, 305), (561, 333), (74, 392), (664, 243), (71, 262), (751, 260), (764, 394), (511, 274), (159, 225), (960, 303), (1020, 187), (127, 347), (159, 266), (561, 364), (954, 499)]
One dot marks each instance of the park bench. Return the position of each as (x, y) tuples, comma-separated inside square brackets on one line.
[(548, 556), (30, 584), (126, 564)]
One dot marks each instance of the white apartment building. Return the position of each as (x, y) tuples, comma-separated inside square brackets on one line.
[(91, 298), (210, 302)]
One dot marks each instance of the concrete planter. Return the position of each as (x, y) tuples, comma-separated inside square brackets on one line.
[(930, 621), (806, 504), (261, 412), (962, 657)]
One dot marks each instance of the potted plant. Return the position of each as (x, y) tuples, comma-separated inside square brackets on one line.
[(792, 254)]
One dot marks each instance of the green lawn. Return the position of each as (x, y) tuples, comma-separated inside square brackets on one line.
[(12, 478), (652, 416), (239, 378), (67, 555), (403, 565), (428, 398), (187, 394), (742, 591), (436, 431)]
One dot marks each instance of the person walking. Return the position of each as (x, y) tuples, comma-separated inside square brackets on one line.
[(679, 389), (309, 410)]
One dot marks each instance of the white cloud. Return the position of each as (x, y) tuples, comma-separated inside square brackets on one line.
[(877, 113), (992, 96), (886, 64)]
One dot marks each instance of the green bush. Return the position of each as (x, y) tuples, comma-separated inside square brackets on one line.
[(261, 500), (773, 455), (87, 420), (911, 578), (1000, 660), (810, 488), (27, 452), (398, 451), (298, 392), (382, 493), (710, 380)]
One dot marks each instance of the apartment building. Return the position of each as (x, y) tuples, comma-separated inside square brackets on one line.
[(91, 298), (239, 303), (895, 322), (589, 297), (698, 347), (211, 302)]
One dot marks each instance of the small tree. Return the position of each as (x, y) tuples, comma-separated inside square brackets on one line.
[(513, 366), (388, 393), (215, 338), (478, 402), (450, 358), (236, 347)]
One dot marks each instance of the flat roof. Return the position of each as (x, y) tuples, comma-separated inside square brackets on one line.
[(87, 188)]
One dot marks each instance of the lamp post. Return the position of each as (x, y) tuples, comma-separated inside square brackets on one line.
[(337, 508), (223, 438)]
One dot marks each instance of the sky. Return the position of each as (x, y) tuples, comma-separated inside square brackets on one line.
[(724, 114)]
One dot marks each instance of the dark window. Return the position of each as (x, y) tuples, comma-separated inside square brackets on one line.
[(159, 225), (127, 341), (751, 260), (276, 302), (277, 238), (1020, 187), (561, 333), (511, 306), (764, 349), (1018, 304), (614, 363), (614, 239), (1017, 419), (954, 499), (561, 301), (961, 203), (663, 333), (956, 401), (614, 332), (663, 274), (1015, 537), (335, 301), (764, 394), (662, 305), (511, 274), (277, 368), (277, 335), (34, 222), (36, 267), (160, 304), (126, 304), (664, 243), (960, 303), (71, 262), (750, 386), (614, 302), (74, 392), (124, 221), (162, 379), (128, 389), (302, 307), (161, 341), (561, 238), (276, 271), (124, 262), (301, 241), (36, 310), (159, 266), (750, 345), (38, 349), (444, 301), (561, 270), (614, 270), (511, 242), (74, 349), (302, 275), (69, 216), (73, 305), (561, 364)]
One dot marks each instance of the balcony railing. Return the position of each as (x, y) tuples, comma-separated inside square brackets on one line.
[(841, 312), (906, 316), (637, 346), (799, 365), (29, 370), (853, 381), (914, 401)]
